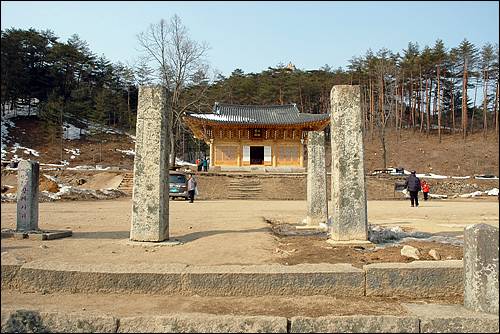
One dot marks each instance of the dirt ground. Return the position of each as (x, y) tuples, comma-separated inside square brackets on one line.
[(121, 305), (230, 232)]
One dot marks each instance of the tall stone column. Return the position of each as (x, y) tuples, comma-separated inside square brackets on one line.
[(481, 268), (151, 176), (317, 203), (348, 173), (28, 174)]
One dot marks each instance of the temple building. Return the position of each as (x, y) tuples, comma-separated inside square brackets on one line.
[(242, 136)]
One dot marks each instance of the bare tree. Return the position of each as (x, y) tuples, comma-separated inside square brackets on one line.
[(180, 62)]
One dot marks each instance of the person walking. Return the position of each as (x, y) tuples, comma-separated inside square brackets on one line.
[(413, 185), (191, 187), (425, 189)]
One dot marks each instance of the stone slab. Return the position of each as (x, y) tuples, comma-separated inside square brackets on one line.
[(50, 235), (262, 280), (51, 277), (317, 203), (351, 243), (28, 175), (348, 188), (202, 323), (355, 324), (31, 321), (415, 279), (435, 318), (481, 268), (150, 220)]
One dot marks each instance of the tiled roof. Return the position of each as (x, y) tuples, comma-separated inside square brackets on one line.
[(255, 115)]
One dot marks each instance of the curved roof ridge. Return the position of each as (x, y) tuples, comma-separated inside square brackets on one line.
[(255, 105)]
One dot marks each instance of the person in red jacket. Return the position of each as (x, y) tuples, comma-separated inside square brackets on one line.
[(425, 189)]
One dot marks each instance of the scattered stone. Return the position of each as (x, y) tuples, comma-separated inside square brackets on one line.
[(43, 246), (434, 254), (410, 251)]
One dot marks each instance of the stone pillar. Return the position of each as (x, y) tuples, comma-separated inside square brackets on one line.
[(151, 176), (481, 268), (348, 172), (28, 174), (212, 153), (317, 204)]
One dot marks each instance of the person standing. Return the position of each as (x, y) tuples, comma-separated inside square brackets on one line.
[(425, 189), (413, 185), (191, 187), (205, 164)]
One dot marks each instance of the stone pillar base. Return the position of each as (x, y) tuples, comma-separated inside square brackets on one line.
[(351, 243)]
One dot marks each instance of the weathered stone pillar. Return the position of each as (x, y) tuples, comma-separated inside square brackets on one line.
[(28, 174), (151, 183), (348, 173), (317, 203), (481, 268)]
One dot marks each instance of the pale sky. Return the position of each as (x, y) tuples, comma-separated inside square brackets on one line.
[(255, 35)]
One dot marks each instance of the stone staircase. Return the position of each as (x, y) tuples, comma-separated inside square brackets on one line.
[(127, 184), (244, 188)]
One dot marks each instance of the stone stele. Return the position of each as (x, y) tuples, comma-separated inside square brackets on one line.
[(481, 268), (348, 172), (151, 177), (317, 204), (28, 173)]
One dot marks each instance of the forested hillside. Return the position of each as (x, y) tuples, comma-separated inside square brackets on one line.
[(432, 90)]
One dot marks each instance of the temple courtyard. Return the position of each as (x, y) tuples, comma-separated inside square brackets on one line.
[(235, 232)]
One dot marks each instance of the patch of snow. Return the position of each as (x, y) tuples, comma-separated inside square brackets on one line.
[(474, 194), (127, 152), (72, 132), (384, 236), (460, 177), (438, 196), (492, 192), (431, 176), (75, 151), (180, 162)]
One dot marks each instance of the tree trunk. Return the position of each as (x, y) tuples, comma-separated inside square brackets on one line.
[(464, 101), (496, 111), (474, 107), (420, 104), (452, 106), (384, 149), (428, 90), (396, 113), (485, 104), (439, 101), (371, 109)]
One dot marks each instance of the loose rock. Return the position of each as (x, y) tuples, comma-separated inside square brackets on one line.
[(434, 254), (410, 251)]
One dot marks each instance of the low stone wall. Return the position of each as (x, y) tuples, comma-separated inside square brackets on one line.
[(413, 280), (32, 321), (418, 278)]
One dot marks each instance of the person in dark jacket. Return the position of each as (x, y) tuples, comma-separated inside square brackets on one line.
[(413, 185)]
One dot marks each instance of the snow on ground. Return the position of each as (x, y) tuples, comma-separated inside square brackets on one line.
[(72, 132), (74, 152), (180, 162), (491, 192), (127, 152), (387, 236), (5, 139)]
